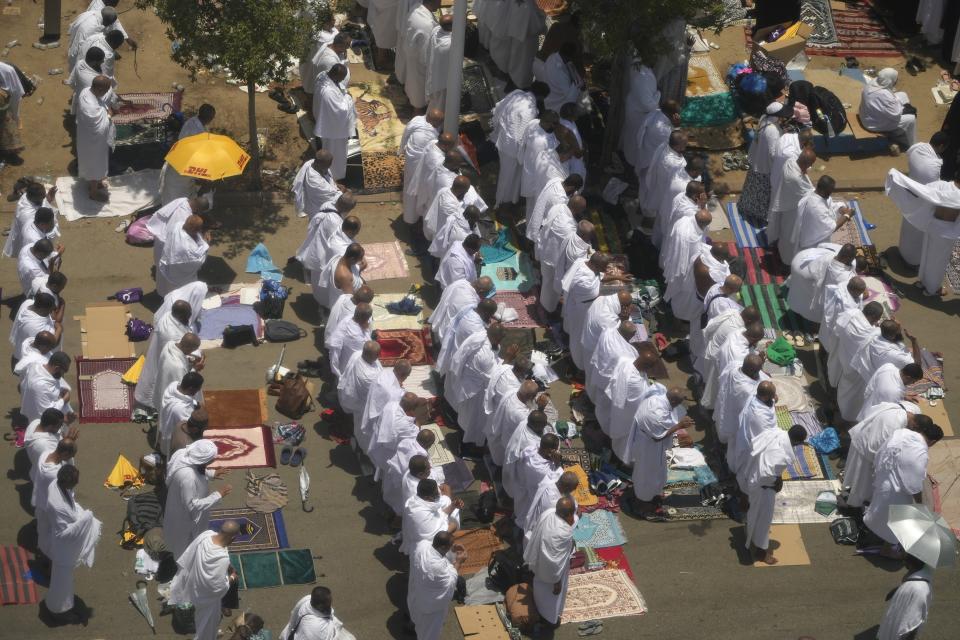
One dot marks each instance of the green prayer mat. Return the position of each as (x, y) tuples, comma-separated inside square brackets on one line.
[(262, 569), (775, 314)]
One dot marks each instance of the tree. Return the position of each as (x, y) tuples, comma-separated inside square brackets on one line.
[(255, 39)]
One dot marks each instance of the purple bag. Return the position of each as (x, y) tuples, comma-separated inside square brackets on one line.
[(138, 330), (137, 232), (128, 296)]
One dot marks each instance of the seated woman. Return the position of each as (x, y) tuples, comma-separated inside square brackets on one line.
[(884, 111)]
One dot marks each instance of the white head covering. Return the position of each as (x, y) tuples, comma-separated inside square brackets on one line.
[(193, 293), (887, 78), (195, 453), (774, 108)]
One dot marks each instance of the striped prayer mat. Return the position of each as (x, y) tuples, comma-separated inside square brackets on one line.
[(806, 465), (857, 234), (610, 231), (774, 311), (15, 586), (763, 266), (745, 233)]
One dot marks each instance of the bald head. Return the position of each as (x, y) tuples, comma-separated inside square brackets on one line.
[(108, 15), (483, 286), (568, 483), (322, 160), (766, 392), (678, 141), (750, 315), (754, 333), (732, 284), (409, 402), (703, 218), (752, 365), (426, 438), (599, 262), (528, 391), (627, 330), (100, 85), (363, 295), (452, 159), (193, 225), (371, 351), (346, 203), (847, 254), (228, 531), (577, 205), (447, 141), (460, 186), (856, 286), (486, 308), (537, 421), (363, 312), (807, 157), (435, 117), (44, 341), (189, 343), (586, 231), (401, 369), (181, 311), (566, 508)]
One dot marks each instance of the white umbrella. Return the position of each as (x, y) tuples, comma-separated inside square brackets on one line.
[(924, 534), (139, 600), (304, 488)]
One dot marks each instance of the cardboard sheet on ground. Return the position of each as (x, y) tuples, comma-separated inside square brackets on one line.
[(440, 453), (941, 489), (795, 502), (938, 414), (103, 331), (787, 546), (481, 623), (129, 193)]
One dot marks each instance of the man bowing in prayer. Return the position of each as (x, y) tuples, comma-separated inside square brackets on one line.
[(335, 117), (461, 262), (349, 337), (96, 136), (418, 27), (460, 295), (818, 216), (314, 185), (682, 246), (187, 511), (313, 618), (184, 252), (889, 384), (581, 285), (204, 575), (548, 553), (432, 583), (170, 216)]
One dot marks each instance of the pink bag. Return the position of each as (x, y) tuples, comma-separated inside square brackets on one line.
[(138, 234)]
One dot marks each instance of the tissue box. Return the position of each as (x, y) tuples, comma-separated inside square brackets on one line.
[(784, 49)]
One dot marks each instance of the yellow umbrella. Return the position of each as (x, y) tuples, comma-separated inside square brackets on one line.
[(207, 156)]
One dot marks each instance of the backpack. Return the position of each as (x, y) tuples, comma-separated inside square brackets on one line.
[(128, 296), (137, 232), (138, 330), (144, 512), (486, 506), (832, 108), (283, 331), (506, 569), (235, 336), (844, 531)]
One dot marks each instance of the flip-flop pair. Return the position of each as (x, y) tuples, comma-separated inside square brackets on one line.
[(589, 628), (293, 457)]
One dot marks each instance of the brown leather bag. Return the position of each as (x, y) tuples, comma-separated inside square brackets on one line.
[(294, 398)]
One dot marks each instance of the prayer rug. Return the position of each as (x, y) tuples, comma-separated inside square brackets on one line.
[(413, 345), (614, 558), (795, 502), (721, 137), (599, 529), (932, 373), (523, 338), (953, 270), (513, 274), (763, 266), (379, 131), (595, 595), (421, 381), (383, 319), (235, 407), (262, 569), (818, 15), (242, 447), (147, 106), (775, 314), (941, 488), (129, 193), (212, 322), (583, 495), (708, 102), (104, 397), (860, 32), (570, 456), (610, 230), (527, 307), (480, 545), (258, 531), (703, 78), (746, 233), (439, 452), (855, 234), (806, 464), (791, 392), (807, 420), (683, 505), (15, 586), (458, 475), (476, 95), (385, 261)]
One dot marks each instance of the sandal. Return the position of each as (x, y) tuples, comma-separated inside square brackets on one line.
[(298, 455), (285, 455)]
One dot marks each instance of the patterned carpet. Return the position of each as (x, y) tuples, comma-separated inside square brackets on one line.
[(404, 343), (104, 397), (242, 447), (385, 261), (595, 595), (258, 531)]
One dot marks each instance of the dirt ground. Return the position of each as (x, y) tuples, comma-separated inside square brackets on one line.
[(691, 574)]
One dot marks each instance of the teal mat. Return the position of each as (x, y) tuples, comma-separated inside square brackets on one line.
[(264, 569)]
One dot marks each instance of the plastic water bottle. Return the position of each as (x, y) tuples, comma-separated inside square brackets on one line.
[(830, 132), (55, 71)]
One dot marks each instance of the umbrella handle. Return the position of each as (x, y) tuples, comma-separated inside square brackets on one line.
[(303, 505)]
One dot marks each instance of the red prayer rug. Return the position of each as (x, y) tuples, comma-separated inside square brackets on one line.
[(147, 106), (396, 344), (526, 305), (104, 396), (15, 586), (242, 447)]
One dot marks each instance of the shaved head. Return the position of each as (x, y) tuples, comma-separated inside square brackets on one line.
[(447, 141), (461, 184), (807, 157), (189, 343), (732, 284), (754, 333), (752, 365), (528, 390), (371, 351), (364, 294), (577, 204), (627, 330), (856, 286), (586, 231), (435, 117), (750, 315), (703, 218), (409, 402), (323, 159), (401, 369), (426, 438), (346, 202), (568, 482), (483, 286), (766, 391)]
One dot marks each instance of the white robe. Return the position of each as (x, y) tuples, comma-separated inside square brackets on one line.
[(715, 336), (807, 272), (96, 136), (641, 98), (455, 229), (423, 519), (788, 148), (10, 82), (572, 250), (548, 555), (867, 437), (609, 349), (854, 333), (558, 227), (666, 164), (396, 474), (519, 438), (384, 390), (793, 187), (324, 286), (85, 25), (30, 267), (755, 418), (430, 588), (173, 365), (881, 110), (836, 300), (680, 249), (202, 581), (909, 606), (23, 218), (627, 389), (544, 500), (736, 390), (604, 313), (650, 443), (313, 190), (535, 143), (816, 221), (438, 63), (183, 255), (29, 356), (885, 385), (550, 195), (73, 533), (653, 132), (769, 454), (445, 205), (525, 23), (418, 136), (510, 117), (353, 386), (715, 303), (170, 216), (324, 240), (416, 45), (457, 296), (580, 286), (313, 624), (925, 167), (455, 265), (348, 338), (564, 81), (393, 426), (465, 386), (40, 391), (335, 121), (421, 187), (899, 471), (175, 407), (382, 18), (187, 511)]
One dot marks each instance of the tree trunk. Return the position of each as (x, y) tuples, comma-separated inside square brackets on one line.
[(254, 142), (614, 123)]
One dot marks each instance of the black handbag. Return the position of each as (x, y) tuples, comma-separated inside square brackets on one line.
[(234, 336)]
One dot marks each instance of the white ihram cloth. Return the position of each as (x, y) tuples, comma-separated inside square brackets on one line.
[(504, 418), (925, 167), (172, 366), (525, 23), (335, 117), (170, 216), (382, 18), (307, 623), (183, 255), (667, 211), (558, 226), (930, 18), (175, 407), (519, 438), (909, 605), (423, 519), (604, 313), (642, 98), (202, 581), (654, 131), (628, 387), (685, 299), (108, 66), (609, 350), (510, 118), (899, 471), (457, 296), (715, 303), (548, 553), (530, 471), (26, 325), (884, 386), (918, 203), (10, 82), (807, 271), (466, 383), (418, 136), (82, 78), (40, 391), (421, 189), (794, 186), (602, 317), (324, 60), (397, 478), (648, 452), (836, 300), (454, 230), (544, 500), (768, 455), (353, 386), (187, 511), (347, 339), (787, 148), (416, 47), (733, 350), (736, 390), (98, 5), (681, 206), (166, 329), (715, 336), (30, 267), (837, 274), (313, 190), (816, 221), (323, 282), (466, 323), (878, 352), (502, 385), (430, 588), (551, 195), (83, 26), (564, 80), (393, 426), (666, 164), (444, 205), (384, 390), (534, 144), (96, 136), (455, 265), (580, 286), (881, 109), (73, 533), (192, 127), (572, 249), (867, 437), (755, 418), (23, 218), (854, 332), (438, 62), (43, 475), (324, 240), (680, 249), (30, 355)]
